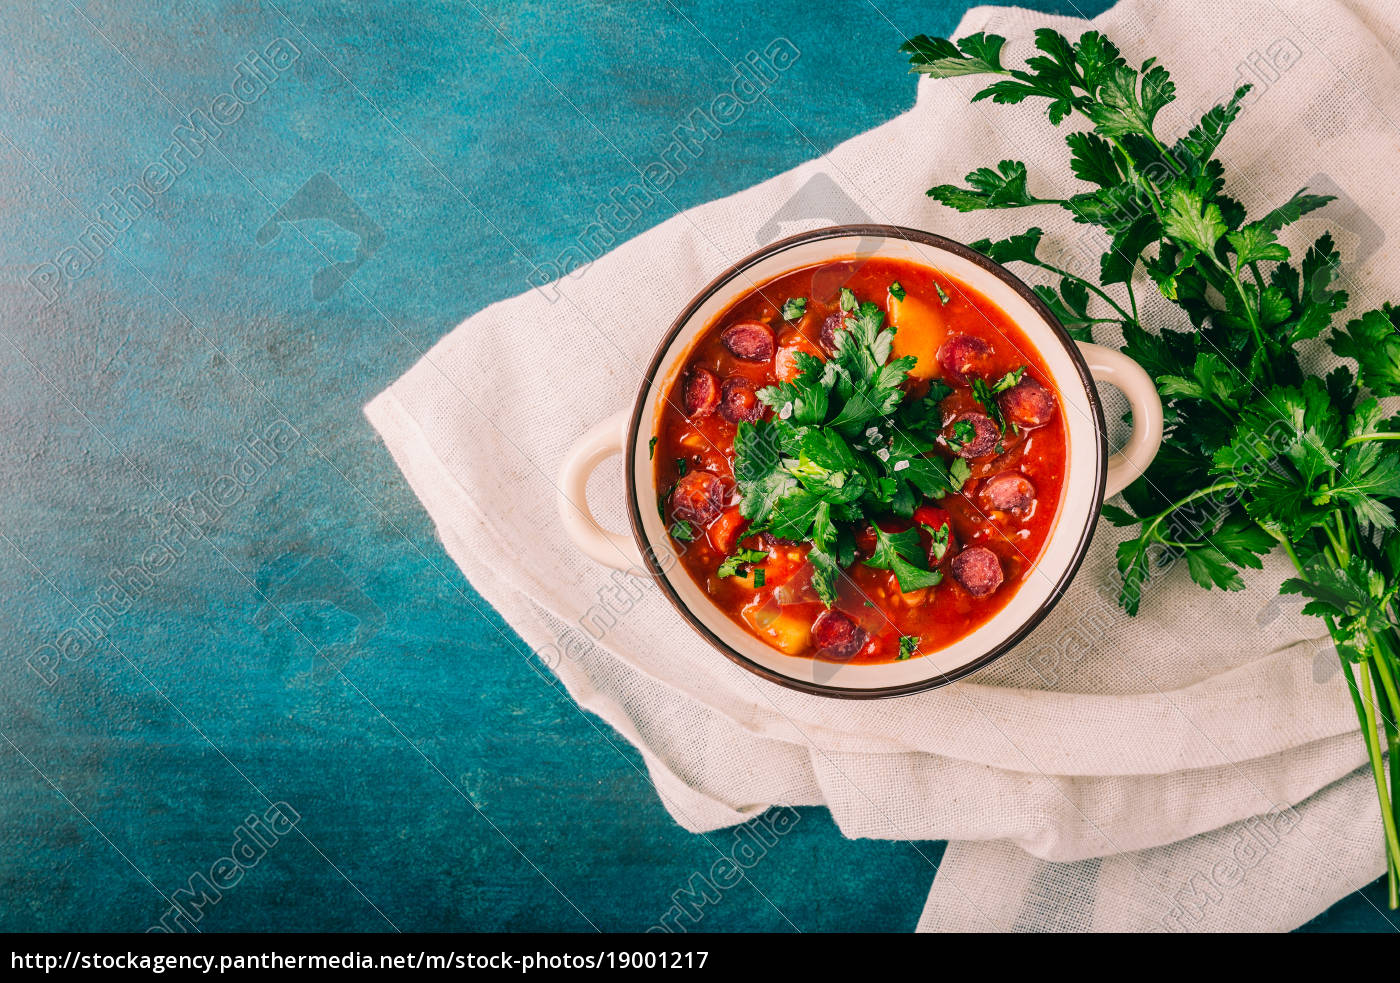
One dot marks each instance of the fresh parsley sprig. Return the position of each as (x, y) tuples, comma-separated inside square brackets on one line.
[(846, 444), (1259, 453)]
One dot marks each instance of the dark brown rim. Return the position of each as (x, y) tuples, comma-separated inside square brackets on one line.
[(887, 232)]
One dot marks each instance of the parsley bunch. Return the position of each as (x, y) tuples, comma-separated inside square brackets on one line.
[(847, 443), (1260, 454)]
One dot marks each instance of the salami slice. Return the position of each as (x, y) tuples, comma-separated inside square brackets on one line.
[(701, 393), (1028, 404), (738, 400), (699, 497), (836, 635), (749, 340), (978, 570)]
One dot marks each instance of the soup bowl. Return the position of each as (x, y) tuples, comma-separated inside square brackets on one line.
[(1091, 472)]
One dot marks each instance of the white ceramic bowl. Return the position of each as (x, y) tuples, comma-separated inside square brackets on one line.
[(1093, 474)]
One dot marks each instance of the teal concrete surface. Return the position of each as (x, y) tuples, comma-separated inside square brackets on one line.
[(185, 460)]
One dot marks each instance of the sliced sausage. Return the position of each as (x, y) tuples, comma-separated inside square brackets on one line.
[(738, 400), (701, 393), (1009, 492), (978, 570), (835, 321), (698, 497), (963, 355), (1028, 404), (837, 636), (984, 439), (749, 340)]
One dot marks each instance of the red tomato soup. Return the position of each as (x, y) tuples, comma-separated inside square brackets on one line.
[(983, 539)]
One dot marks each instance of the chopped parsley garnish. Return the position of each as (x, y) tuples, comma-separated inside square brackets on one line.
[(741, 558), (680, 529), (681, 466), (1008, 381), (942, 294), (986, 394), (758, 577), (651, 448), (908, 645), (903, 554), (846, 445), (794, 308), (896, 291), (963, 433), (939, 547)]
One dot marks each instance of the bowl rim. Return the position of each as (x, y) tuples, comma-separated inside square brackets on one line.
[(936, 241)]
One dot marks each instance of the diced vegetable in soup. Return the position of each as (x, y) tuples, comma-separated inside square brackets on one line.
[(861, 462)]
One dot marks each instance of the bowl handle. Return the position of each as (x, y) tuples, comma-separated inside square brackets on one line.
[(597, 445), (1121, 372)]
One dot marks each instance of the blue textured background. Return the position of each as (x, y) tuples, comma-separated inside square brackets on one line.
[(135, 388)]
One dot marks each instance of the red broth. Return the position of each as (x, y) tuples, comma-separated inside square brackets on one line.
[(1007, 507)]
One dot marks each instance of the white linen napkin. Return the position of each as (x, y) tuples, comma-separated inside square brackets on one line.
[(1111, 772)]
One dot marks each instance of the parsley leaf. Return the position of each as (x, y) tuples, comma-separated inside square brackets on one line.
[(1008, 381), (758, 470), (941, 58), (941, 540), (794, 308), (1018, 248), (1356, 596), (1004, 187), (903, 555), (1374, 341), (985, 395), (803, 401), (740, 558)]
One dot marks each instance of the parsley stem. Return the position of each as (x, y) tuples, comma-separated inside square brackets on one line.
[(1258, 280), (1371, 436), (1090, 285), (1392, 737), (1339, 550), (1367, 720), (1255, 328), (1167, 155), (1287, 546), (1133, 174), (1157, 520), (1383, 670), (1368, 728)]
